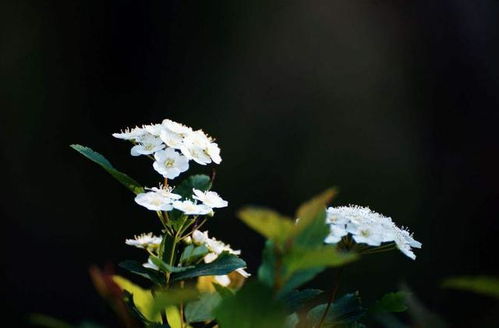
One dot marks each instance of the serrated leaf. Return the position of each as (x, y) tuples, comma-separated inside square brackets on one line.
[(484, 285), (346, 310), (95, 157), (136, 268), (253, 306), (165, 267), (391, 302), (268, 223), (202, 309), (224, 264), (193, 253)]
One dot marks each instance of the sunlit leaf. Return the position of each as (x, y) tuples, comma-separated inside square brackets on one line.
[(323, 256), (124, 179), (268, 223)]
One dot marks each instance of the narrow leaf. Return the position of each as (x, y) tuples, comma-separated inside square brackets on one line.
[(124, 179), (268, 223), (485, 285)]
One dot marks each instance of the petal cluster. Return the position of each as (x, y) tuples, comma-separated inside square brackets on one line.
[(145, 241), (173, 145), (216, 247), (367, 227)]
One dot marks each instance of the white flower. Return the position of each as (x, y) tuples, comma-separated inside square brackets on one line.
[(367, 227), (157, 199), (335, 234), (130, 134), (171, 139), (169, 163), (154, 129), (145, 240), (214, 152), (191, 208), (175, 127), (150, 265), (209, 198), (223, 280), (147, 145), (216, 247), (195, 146)]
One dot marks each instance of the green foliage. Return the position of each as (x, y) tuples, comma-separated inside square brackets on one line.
[(137, 268), (200, 181), (268, 223), (345, 312), (165, 267), (294, 253), (295, 299), (253, 306), (166, 298), (224, 264), (193, 253), (124, 179), (391, 302), (202, 309), (484, 285)]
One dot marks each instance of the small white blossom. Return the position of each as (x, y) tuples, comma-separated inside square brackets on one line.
[(191, 208), (130, 134), (177, 128), (157, 199), (335, 234), (209, 198), (169, 163), (216, 247), (147, 145), (199, 147), (367, 227), (145, 240)]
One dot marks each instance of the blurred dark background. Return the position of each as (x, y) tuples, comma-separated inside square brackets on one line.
[(394, 102)]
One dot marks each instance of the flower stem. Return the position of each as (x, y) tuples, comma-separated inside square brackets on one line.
[(332, 296)]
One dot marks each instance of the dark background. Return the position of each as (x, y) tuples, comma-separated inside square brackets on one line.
[(394, 102)]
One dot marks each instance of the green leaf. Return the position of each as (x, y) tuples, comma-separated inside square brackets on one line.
[(253, 306), (266, 271), (136, 268), (308, 211), (223, 291), (165, 267), (391, 302), (224, 264), (291, 321), (346, 310), (124, 179), (268, 223), (298, 279), (167, 298), (322, 256), (200, 181), (202, 309), (192, 253), (295, 299), (484, 285)]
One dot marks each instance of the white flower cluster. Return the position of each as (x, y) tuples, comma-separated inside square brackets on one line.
[(163, 199), (145, 241), (215, 248), (164, 140), (367, 227)]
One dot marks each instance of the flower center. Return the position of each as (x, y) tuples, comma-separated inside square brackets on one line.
[(169, 162)]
